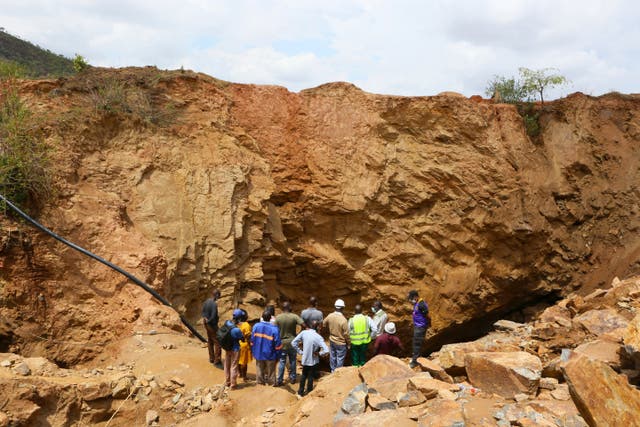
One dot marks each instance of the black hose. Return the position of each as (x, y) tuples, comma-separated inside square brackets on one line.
[(130, 276)]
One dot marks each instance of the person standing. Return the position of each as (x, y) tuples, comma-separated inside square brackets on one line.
[(421, 322), (312, 313), (245, 346), (313, 346), (388, 342), (231, 344), (210, 320), (266, 345), (380, 318), (338, 335), (360, 331), (272, 309), (287, 322)]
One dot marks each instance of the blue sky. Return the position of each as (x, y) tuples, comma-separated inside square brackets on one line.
[(397, 47)]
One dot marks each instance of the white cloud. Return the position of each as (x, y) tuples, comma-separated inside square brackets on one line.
[(407, 47)]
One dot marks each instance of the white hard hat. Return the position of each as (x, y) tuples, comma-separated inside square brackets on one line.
[(390, 328), (339, 303)]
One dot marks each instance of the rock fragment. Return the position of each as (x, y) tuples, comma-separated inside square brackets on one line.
[(410, 398), (151, 417), (434, 369), (602, 396), (504, 373), (430, 387), (600, 322), (355, 403), (21, 368)]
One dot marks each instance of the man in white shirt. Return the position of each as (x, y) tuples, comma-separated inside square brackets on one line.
[(380, 318), (313, 346)]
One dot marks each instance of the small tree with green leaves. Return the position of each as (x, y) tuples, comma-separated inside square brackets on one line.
[(505, 89), (535, 82), (80, 63)]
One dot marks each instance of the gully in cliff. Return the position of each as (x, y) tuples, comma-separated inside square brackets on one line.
[(421, 321)]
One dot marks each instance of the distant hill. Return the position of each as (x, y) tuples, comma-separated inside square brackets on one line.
[(39, 62)]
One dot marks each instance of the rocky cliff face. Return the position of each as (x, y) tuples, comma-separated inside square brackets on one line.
[(272, 195)]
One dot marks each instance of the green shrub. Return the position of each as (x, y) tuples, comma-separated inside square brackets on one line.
[(531, 83), (530, 118), (24, 157), (12, 70), (504, 89), (80, 63), (110, 97)]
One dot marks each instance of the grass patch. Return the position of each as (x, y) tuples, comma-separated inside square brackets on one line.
[(25, 176), (112, 96)]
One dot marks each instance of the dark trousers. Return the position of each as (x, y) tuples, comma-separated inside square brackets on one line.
[(308, 372), (418, 339), (215, 351), (359, 354)]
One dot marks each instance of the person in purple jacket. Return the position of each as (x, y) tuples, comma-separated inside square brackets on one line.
[(421, 321)]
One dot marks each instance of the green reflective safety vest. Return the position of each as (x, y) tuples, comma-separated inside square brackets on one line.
[(359, 331)]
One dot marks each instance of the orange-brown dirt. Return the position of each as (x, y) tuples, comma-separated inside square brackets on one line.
[(191, 183)]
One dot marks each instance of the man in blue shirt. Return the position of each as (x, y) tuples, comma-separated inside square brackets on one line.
[(233, 351), (313, 346), (266, 346)]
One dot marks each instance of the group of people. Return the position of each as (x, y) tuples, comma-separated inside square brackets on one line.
[(274, 341)]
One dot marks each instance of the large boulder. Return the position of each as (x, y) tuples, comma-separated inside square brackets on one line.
[(387, 375), (600, 322), (603, 397), (606, 351), (382, 366), (452, 356), (504, 373), (430, 387), (390, 386), (557, 314)]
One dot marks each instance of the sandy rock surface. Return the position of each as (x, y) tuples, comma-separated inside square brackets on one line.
[(272, 195)]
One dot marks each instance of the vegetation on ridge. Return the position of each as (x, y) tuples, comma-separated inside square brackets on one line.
[(34, 60), (524, 91), (24, 157), (531, 84)]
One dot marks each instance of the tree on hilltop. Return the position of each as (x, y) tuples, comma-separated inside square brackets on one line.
[(537, 81), (532, 83)]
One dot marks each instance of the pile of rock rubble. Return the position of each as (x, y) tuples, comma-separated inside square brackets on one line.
[(577, 364)]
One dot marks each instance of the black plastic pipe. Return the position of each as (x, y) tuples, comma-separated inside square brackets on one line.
[(130, 276)]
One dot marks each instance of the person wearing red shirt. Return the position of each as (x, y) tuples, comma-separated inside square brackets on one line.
[(388, 342)]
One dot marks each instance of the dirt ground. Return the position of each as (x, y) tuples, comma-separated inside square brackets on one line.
[(188, 361)]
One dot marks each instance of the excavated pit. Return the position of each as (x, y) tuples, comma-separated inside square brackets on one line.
[(271, 195)]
